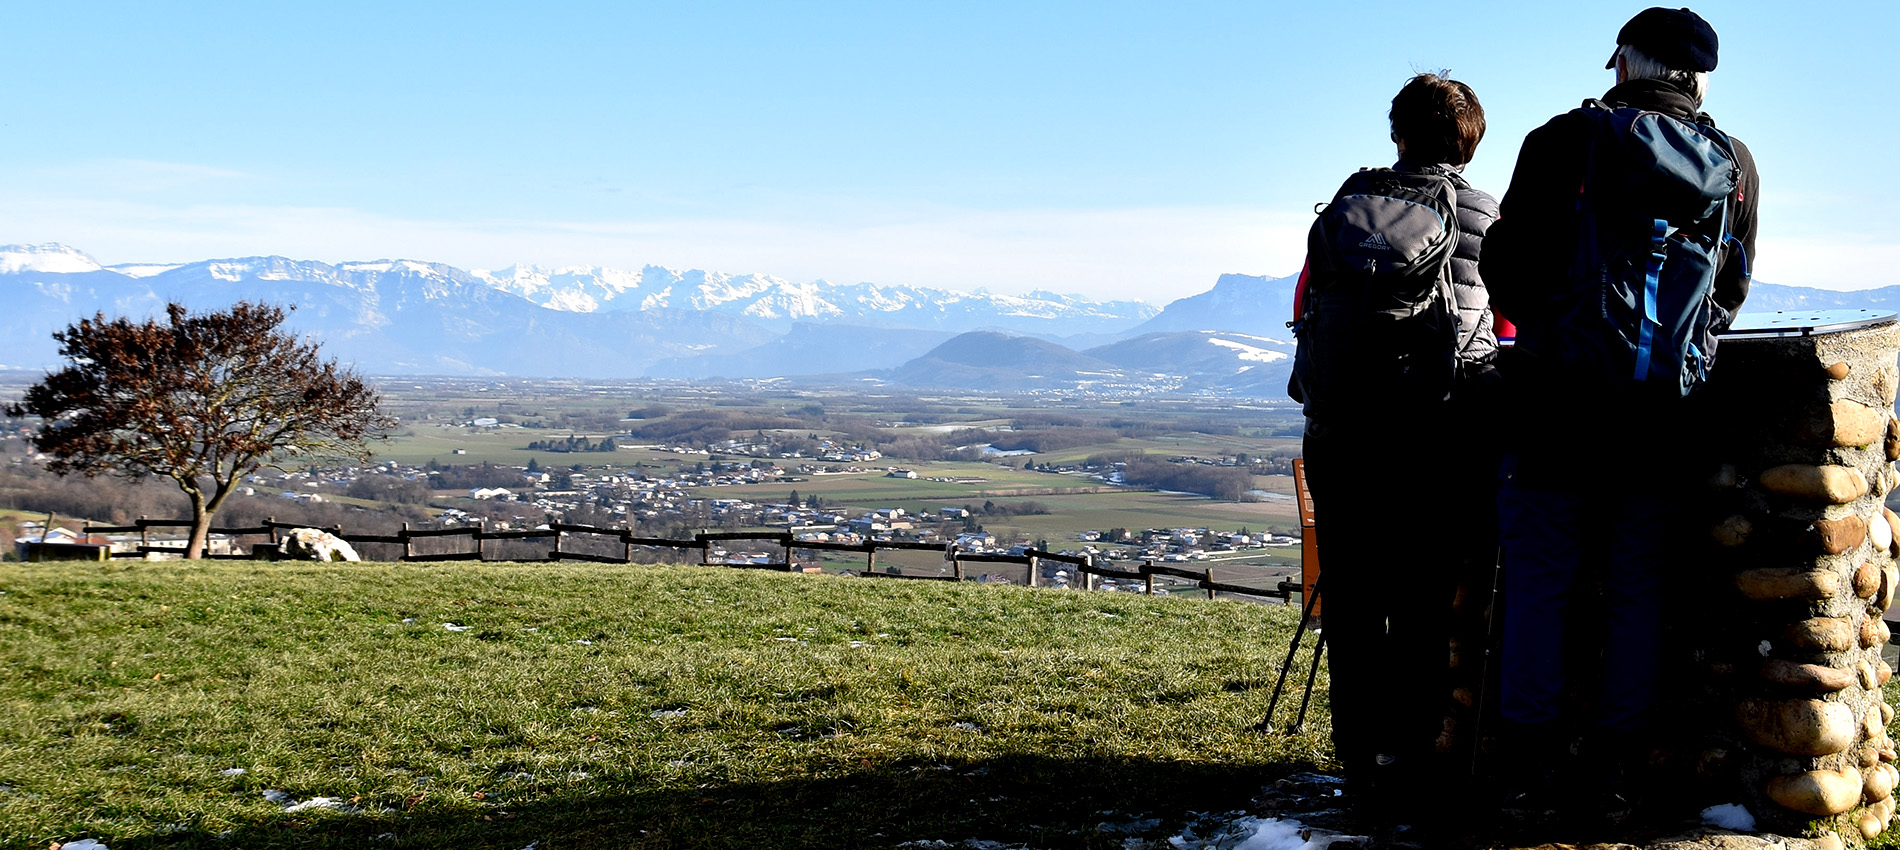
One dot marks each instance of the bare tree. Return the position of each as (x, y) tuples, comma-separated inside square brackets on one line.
[(203, 399)]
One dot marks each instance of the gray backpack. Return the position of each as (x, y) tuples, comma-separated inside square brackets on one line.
[(1376, 323)]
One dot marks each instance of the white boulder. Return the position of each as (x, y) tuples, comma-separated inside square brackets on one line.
[(314, 544)]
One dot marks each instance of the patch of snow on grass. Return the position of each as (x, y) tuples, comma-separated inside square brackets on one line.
[(332, 803), (290, 803), (455, 628), (231, 771), (81, 844), (1249, 833), (1729, 816)]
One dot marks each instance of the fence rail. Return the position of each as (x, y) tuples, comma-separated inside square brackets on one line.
[(1032, 559)]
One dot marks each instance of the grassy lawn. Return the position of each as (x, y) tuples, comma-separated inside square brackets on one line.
[(610, 706)]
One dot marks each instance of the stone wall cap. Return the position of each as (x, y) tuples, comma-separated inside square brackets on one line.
[(1783, 323)]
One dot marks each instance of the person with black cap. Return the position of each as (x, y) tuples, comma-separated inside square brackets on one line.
[(1594, 477)]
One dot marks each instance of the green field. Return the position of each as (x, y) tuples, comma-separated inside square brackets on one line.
[(508, 446), (154, 705), (1071, 513)]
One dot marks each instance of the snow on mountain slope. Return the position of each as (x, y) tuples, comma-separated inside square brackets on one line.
[(1247, 352), (411, 315), (50, 257)]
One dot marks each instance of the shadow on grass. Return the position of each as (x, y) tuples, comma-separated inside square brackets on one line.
[(1035, 801)]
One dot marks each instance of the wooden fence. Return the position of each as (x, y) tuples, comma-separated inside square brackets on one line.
[(706, 542)]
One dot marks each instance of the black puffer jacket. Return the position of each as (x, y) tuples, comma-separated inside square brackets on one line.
[(1477, 340)]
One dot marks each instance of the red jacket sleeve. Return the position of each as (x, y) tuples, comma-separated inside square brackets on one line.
[(1299, 290)]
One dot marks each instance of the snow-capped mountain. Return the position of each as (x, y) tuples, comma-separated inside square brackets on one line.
[(779, 302), (409, 316), (1238, 302)]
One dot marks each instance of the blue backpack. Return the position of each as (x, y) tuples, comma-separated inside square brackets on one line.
[(1640, 315)]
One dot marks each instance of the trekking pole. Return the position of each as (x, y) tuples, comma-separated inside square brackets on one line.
[(1490, 650), (1319, 650), (1292, 649)]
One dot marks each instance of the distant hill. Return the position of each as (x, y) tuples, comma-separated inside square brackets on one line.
[(996, 361), (1216, 360), (1770, 297), (809, 348), (1220, 362), (1238, 302)]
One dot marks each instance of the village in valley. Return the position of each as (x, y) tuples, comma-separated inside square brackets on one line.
[(501, 473)]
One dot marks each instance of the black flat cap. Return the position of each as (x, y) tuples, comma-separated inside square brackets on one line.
[(1678, 38)]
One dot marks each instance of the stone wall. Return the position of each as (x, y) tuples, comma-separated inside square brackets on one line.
[(1799, 570)]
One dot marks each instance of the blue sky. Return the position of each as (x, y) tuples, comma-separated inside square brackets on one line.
[(1130, 150)]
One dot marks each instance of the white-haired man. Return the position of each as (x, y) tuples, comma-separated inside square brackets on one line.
[(1591, 484)]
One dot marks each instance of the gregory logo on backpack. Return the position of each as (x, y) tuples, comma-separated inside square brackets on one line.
[(1640, 313), (1379, 326)]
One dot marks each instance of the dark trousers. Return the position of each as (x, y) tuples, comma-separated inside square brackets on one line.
[(1560, 543), (1387, 519)]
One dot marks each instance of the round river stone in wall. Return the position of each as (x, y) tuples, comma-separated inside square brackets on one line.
[(1836, 485), (1769, 584), (1802, 727), (1818, 792), (1867, 580), (1856, 424), (1733, 531), (1820, 634), (1874, 632), (1839, 535), (1811, 677)]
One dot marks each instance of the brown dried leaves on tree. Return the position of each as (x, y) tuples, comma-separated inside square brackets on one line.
[(203, 399)]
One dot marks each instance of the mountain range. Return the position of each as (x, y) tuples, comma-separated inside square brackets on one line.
[(394, 317)]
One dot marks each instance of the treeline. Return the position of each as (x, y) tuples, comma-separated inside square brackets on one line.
[(991, 508), (29, 487), (473, 476), (116, 501), (1052, 439), (389, 488), (1230, 483), (705, 427), (573, 444)]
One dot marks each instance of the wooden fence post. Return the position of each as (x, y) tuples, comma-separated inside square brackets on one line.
[(1034, 579), (956, 565), (870, 560), (144, 534), (1088, 578), (407, 542), (627, 550), (1210, 582), (1147, 572), (556, 554), (270, 523)]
